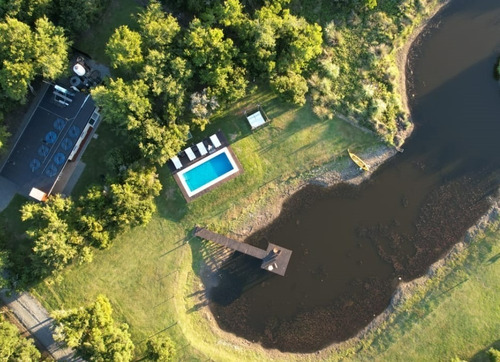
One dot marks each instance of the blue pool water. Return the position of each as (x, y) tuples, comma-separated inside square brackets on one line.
[(207, 171)]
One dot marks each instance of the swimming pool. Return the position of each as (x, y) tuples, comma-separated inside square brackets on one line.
[(207, 172)]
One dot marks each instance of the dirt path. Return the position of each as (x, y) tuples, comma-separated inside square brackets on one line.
[(35, 318)]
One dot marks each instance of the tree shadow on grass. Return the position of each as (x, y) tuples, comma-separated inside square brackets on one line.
[(171, 204), (234, 123), (483, 355), (19, 246)]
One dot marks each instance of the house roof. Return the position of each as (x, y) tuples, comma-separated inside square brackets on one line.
[(42, 150)]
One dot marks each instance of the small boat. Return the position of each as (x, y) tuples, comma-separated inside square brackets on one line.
[(358, 161)]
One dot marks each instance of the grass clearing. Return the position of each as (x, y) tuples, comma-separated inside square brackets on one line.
[(95, 158)]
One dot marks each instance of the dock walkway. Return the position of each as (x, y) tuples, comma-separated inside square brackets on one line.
[(275, 259), (230, 243)]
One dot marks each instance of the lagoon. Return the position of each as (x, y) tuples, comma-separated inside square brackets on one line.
[(353, 244)]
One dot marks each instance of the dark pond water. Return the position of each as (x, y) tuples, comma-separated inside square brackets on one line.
[(352, 244)]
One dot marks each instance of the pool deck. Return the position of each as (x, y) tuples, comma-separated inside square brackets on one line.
[(275, 259), (186, 163), (184, 159)]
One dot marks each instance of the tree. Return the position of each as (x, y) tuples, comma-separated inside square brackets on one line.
[(15, 78), (51, 49), (202, 107), (212, 56), (128, 106), (133, 199), (167, 80), (16, 46), (56, 242), (494, 354), (13, 347), (370, 4), (124, 49), (157, 142), (292, 86), (196, 6), (284, 41), (4, 264), (160, 349), (25, 54), (157, 29), (127, 202), (26, 11), (77, 15), (281, 47), (230, 13), (93, 333), (207, 47), (120, 101)]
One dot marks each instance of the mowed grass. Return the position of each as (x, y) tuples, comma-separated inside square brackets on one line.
[(150, 272), (460, 318)]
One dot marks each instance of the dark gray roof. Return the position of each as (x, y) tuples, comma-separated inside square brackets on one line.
[(43, 148)]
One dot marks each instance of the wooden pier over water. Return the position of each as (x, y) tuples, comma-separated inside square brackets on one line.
[(275, 259)]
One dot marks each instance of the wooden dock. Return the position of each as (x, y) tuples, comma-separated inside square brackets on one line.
[(275, 259)]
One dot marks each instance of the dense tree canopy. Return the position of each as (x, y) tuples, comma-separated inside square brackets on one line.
[(4, 264), (76, 15), (4, 136), (212, 55), (56, 242), (93, 332), (124, 49), (122, 102), (126, 202), (13, 347), (25, 53), (25, 10), (64, 231), (128, 106), (284, 45), (160, 349), (51, 49), (184, 76), (158, 29)]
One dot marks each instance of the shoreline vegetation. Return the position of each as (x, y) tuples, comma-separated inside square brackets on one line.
[(160, 289)]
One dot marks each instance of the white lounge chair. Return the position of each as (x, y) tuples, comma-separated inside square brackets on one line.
[(215, 141), (190, 153), (177, 163), (202, 148)]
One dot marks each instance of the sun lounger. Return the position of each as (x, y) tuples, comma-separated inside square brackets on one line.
[(177, 163), (215, 141), (202, 148), (190, 153)]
